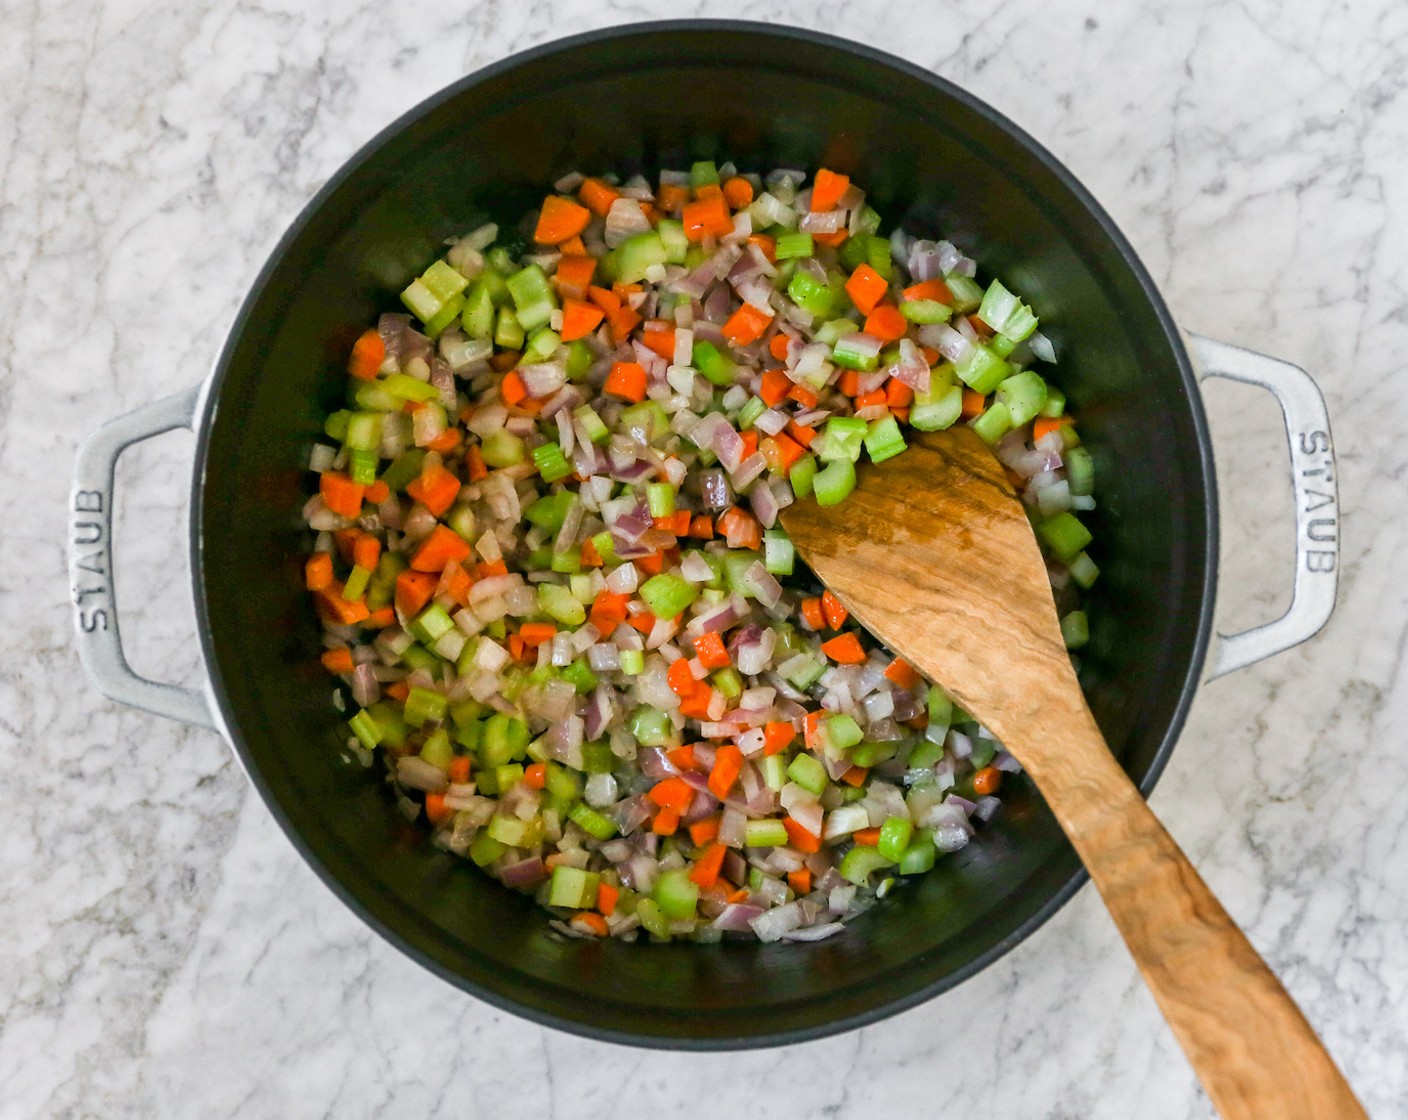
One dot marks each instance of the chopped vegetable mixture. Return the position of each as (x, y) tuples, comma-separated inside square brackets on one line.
[(550, 569)]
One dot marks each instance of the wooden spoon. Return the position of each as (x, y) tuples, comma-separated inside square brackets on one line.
[(934, 555)]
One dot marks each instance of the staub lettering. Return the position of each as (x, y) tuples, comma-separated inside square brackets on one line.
[(1315, 469), (90, 528)]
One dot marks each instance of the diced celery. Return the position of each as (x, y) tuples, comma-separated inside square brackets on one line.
[(356, 585), (993, 424), (660, 499), (925, 311), (632, 662), (448, 313), (477, 315), (549, 511), (793, 244), (727, 681), (676, 894), (597, 758), (673, 238), (883, 440), (592, 424), (1064, 535), (779, 554), (505, 739), (422, 706), (751, 410), (337, 424), (1075, 629), (1084, 571), (860, 862), (807, 674), (775, 772), (704, 173), (409, 388), (842, 731), (366, 728), (765, 834), (803, 473), (843, 438), (651, 727), (501, 448), (715, 365), (484, 849), (637, 255), (572, 887), (652, 919), (983, 752), (852, 353), (1005, 313), (918, 857), (436, 749), (591, 822), (967, 293), (559, 604), (404, 469), (361, 466), (869, 754), (894, 838), (1055, 402), (431, 624), (932, 412), (363, 431), (667, 594), (579, 360), (562, 783), (982, 370), (533, 298), (813, 296), (508, 331), (835, 482), (1080, 471), (580, 676), (808, 773), (552, 464), (1024, 394)]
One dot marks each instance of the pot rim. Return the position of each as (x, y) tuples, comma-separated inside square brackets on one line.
[(784, 34)]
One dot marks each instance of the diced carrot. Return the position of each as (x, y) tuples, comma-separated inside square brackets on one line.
[(377, 492), (665, 823), (397, 690), (799, 837), (931, 355), (513, 390), (750, 442), (802, 435), (855, 776), (671, 197), (579, 319), (608, 610), (701, 832), (333, 607), (623, 321), (679, 677), (812, 613), (707, 216), (738, 192), (696, 706), (340, 494), (642, 622), (368, 352), (767, 245), (604, 298), (443, 546), (653, 564), (459, 768), (866, 287), (606, 897), (740, 895), (337, 660), (987, 781), (706, 868), (435, 488), (782, 452), (505, 360), (588, 921), (345, 539), (380, 619), (446, 441), (742, 529), (746, 325), (849, 382), (898, 394), (845, 649), (317, 572), (777, 736), (474, 460), (627, 381), (902, 673), (574, 276), (536, 633), (413, 591), (436, 811), (827, 189), (1045, 425), (573, 247), (868, 837), (591, 558), (778, 346), (490, 568), (804, 395), (598, 195), (366, 551), (800, 881), (728, 764), (900, 412), (831, 240), (701, 527), (536, 775), (560, 219), (835, 613), (708, 190), (886, 323), (517, 647), (682, 757), (775, 386), (983, 330), (934, 289), (710, 650), (973, 404), (871, 399), (660, 337)]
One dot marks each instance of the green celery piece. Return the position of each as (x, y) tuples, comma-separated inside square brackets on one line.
[(596, 430), (807, 675), (751, 410), (884, 440), (1005, 313), (1075, 629), (833, 484), (563, 783), (672, 237), (925, 755), (484, 849), (804, 471), (652, 919), (775, 772), (808, 773), (918, 857), (632, 662), (597, 758), (811, 295), (704, 173), (572, 887), (792, 245), (422, 706), (667, 594), (1064, 535), (508, 331), (361, 465), (337, 423), (447, 314), (993, 424), (651, 727), (860, 863), (932, 412), (967, 293), (388, 719), (982, 370), (843, 438), (983, 752), (779, 554), (541, 346), (580, 676), (728, 682), (533, 298), (1084, 571), (1080, 471), (505, 739), (363, 431), (715, 365), (552, 464), (365, 727), (637, 255), (765, 834), (676, 894), (567, 563), (842, 731), (356, 585), (646, 421), (502, 448), (925, 311), (847, 352), (420, 301), (1055, 403), (436, 749), (591, 822), (443, 280), (579, 361), (431, 624), (477, 315), (869, 754), (418, 657), (660, 499), (894, 838), (559, 604), (404, 469), (409, 388), (550, 511), (1024, 394)]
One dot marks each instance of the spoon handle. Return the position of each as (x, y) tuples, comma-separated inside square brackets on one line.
[(1248, 1042)]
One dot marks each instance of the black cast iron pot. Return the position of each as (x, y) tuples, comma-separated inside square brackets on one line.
[(650, 96)]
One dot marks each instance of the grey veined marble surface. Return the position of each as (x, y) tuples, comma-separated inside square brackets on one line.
[(166, 954)]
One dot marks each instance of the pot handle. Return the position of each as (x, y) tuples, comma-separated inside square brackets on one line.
[(90, 562), (1315, 493)]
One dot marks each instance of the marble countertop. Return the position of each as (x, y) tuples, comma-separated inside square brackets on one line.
[(166, 953)]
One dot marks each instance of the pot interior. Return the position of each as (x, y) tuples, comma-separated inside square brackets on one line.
[(643, 98)]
